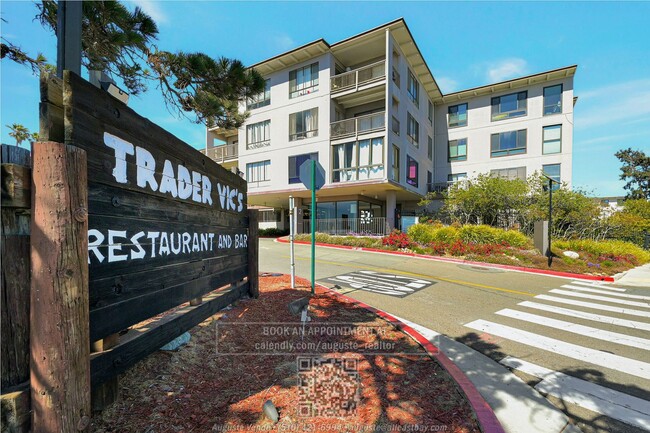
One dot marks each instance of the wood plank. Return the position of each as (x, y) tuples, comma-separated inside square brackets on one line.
[(253, 253), (15, 409), (51, 108), (16, 155), (59, 336), (16, 186), (139, 343), (120, 315)]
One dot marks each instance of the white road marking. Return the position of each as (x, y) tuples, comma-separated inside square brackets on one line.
[(620, 310), (614, 404), (604, 292), (601, 298), (592, 356), (587, 331), (588, 316), (599, 285)]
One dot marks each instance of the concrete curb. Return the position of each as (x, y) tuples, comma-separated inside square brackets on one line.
[(466, 262), (484, 413)]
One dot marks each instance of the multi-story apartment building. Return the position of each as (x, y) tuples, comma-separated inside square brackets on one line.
[(370, 111)]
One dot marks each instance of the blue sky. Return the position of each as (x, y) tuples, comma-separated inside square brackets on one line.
[(465, 44)]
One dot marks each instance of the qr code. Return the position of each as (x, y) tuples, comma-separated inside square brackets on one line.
[(328, 387)]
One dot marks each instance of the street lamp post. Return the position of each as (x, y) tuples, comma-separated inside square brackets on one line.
[(551, 181)]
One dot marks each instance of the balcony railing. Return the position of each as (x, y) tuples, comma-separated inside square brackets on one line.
[(358, 125), (440, 187), (354, 79), (222, 153), (374, 226)]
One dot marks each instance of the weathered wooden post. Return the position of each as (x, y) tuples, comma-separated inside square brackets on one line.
[(59, 338), (253, 253), (14, 288)]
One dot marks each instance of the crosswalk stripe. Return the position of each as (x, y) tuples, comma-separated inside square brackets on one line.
[(600, 286), (614, 404), (588, 316), (596, 357), (601, 298), (603, 292), (587, 331), (620, 310)]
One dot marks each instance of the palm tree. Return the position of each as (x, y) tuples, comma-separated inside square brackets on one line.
[(19, 133)]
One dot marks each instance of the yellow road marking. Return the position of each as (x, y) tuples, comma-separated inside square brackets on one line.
[(412, 274)]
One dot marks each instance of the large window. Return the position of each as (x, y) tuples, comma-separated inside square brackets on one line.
[(552, 100), (508, 143), (553, 171), (413, 89), (258, 171), (412, 130), (457, 115), (262, 99), (509, 106), (258, 135), (395, 166), (456, 177), (303, 81), (294, 165), (411, 171), (510, 173), (458, 150), (358, 160), (430, 148), (303, 124), (552, 140), (430, 113)]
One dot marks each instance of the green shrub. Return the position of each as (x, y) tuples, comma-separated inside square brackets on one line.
[(514, 238), (273, 232), (478, 234), (351, 241), (605, 248), (481, 234)]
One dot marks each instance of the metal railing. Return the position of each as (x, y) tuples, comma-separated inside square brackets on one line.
[(440, 187), (358, 125), (222, 153), (373, 226), (258, 144), (358, 77)]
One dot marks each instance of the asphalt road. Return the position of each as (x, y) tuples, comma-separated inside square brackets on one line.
[(574, 328)]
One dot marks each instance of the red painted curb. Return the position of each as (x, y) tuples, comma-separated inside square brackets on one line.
[(484, 413), (467, 262)]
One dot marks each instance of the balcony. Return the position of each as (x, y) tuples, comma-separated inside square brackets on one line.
[(358, 125), (441, 187), (358, 77), (222, 153)]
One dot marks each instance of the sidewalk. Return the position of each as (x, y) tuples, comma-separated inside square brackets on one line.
[(517, 406), (637, 277)]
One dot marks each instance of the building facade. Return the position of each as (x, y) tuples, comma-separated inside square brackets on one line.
[(369, 111)]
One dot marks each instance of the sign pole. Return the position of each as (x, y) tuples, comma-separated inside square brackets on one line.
[(313, 225), (292, 233)]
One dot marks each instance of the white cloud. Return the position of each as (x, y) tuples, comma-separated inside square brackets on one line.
[(152, 8), (505, 69), (446, 84), (284, 42), (620, 104)]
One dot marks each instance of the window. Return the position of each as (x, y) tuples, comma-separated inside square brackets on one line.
[(358, 160), (258, 135), (395, 167), (457, 115), (413, 89), (294, 165), (430, 148), (303, 81), (552, 100), (303, 124), (431, 113), (412, 130), (553, 171), (258, 171), (456, 177), (508, 143), (509, 106), (510, 173), (269, 216), (429, 178), (552, 136), (262, 99), (411, 171), (458, 150)]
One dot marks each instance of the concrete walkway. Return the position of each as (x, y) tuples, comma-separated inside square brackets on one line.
[(636, 277), (518, 407)]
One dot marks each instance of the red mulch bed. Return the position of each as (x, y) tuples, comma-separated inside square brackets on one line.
[(367, 376)]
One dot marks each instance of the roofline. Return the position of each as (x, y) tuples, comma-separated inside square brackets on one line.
[(420, 53), (374, 29), (511, 80), (317, 41)]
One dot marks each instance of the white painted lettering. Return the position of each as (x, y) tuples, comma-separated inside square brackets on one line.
[(186, 243), (121, 148), (184, 182), (196, 186), (153, 236), (168, 181), (206, 197), (176, 248), (140, 253), (115, 248), (94, 244), (146, 168), (164, 244), (195, 243)]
